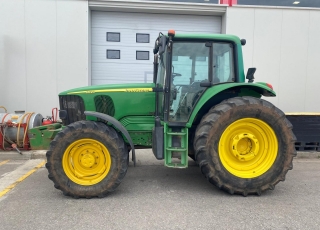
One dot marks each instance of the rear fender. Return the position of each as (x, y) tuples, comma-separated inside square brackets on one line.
[(232, 89)]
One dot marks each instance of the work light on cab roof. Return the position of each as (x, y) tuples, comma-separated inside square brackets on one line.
[(171, 32)]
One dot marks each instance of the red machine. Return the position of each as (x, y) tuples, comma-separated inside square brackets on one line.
[(14, 128), (51, 120)]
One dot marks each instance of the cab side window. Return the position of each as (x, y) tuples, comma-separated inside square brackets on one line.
[(223, 65)]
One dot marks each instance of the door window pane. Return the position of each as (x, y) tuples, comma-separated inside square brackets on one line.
[(190, 66), (223, 65)]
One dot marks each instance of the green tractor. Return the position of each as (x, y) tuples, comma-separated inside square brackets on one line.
[(198, 106)]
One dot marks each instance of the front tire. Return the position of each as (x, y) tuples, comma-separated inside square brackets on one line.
[(244, 145), (87, 159)]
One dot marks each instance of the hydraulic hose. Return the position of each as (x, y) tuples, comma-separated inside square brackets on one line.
[(26, 128), (19, 124), (2, 107)]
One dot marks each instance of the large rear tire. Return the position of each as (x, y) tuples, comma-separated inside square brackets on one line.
[(87, 159), (244, 145)]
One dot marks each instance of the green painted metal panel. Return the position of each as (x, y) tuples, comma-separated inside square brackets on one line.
[(41, 136), (245, 89), (128, 99), (142, 123), (141, 138)]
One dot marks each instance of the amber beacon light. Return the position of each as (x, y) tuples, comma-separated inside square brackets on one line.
[(171, 33)]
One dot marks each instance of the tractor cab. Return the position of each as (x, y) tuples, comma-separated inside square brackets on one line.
[(183, 69)]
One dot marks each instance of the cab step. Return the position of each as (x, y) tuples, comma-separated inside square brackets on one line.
[(176, 146)]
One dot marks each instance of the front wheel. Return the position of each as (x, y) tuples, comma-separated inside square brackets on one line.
[(87, 159), (244, 145)]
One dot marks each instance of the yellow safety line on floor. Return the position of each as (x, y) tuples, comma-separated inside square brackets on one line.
[(7, 189), (4, 162)]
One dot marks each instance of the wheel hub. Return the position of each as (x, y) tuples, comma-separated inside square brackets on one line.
[(87, 160), (245, 146)]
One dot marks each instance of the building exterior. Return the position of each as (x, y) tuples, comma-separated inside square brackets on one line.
[(50, 46)]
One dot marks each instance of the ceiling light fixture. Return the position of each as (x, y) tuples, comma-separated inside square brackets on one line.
[(296, 2)]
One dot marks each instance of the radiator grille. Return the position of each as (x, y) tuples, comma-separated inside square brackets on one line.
[(74, 106)]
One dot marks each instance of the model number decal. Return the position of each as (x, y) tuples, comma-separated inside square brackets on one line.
[(130, 90), (137, 90)]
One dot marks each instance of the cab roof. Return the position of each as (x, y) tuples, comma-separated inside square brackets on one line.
[(219, 37)]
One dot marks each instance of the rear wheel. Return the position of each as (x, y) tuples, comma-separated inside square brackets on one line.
[(244, 145), (87, 159)]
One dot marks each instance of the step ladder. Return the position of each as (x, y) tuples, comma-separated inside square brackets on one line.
[(175, 146)]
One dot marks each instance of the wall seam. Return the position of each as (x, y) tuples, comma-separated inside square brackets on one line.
[(253, 32), (305, 86), (57, 82), (279, 70), (25, 61), (281, 24)]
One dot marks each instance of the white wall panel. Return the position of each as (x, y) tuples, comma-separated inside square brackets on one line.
[(40, 24), (12, 55), (43, 51), (266, 51), (283, 45), (240, 22), (294, 53), (72, 44), (312, 86)]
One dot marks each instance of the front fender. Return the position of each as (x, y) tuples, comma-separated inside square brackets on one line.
[(242, 89), (118, 125)]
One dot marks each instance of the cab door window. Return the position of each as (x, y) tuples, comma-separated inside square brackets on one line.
[(190, 66)]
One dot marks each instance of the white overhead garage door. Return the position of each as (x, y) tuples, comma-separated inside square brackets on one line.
[(122, 43)]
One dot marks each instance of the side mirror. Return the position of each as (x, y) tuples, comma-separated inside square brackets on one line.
[(250, 74), (162, 44)]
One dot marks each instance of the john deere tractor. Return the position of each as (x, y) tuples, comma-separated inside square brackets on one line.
[(199, 105)]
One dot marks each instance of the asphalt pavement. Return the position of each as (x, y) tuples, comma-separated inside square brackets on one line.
[(41, 154), (152, 196)]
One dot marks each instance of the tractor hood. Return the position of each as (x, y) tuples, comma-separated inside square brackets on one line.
[(116, 100), (134, 88)]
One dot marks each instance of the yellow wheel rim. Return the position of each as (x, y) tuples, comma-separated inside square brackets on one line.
[(86, 162), (248, 148)]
